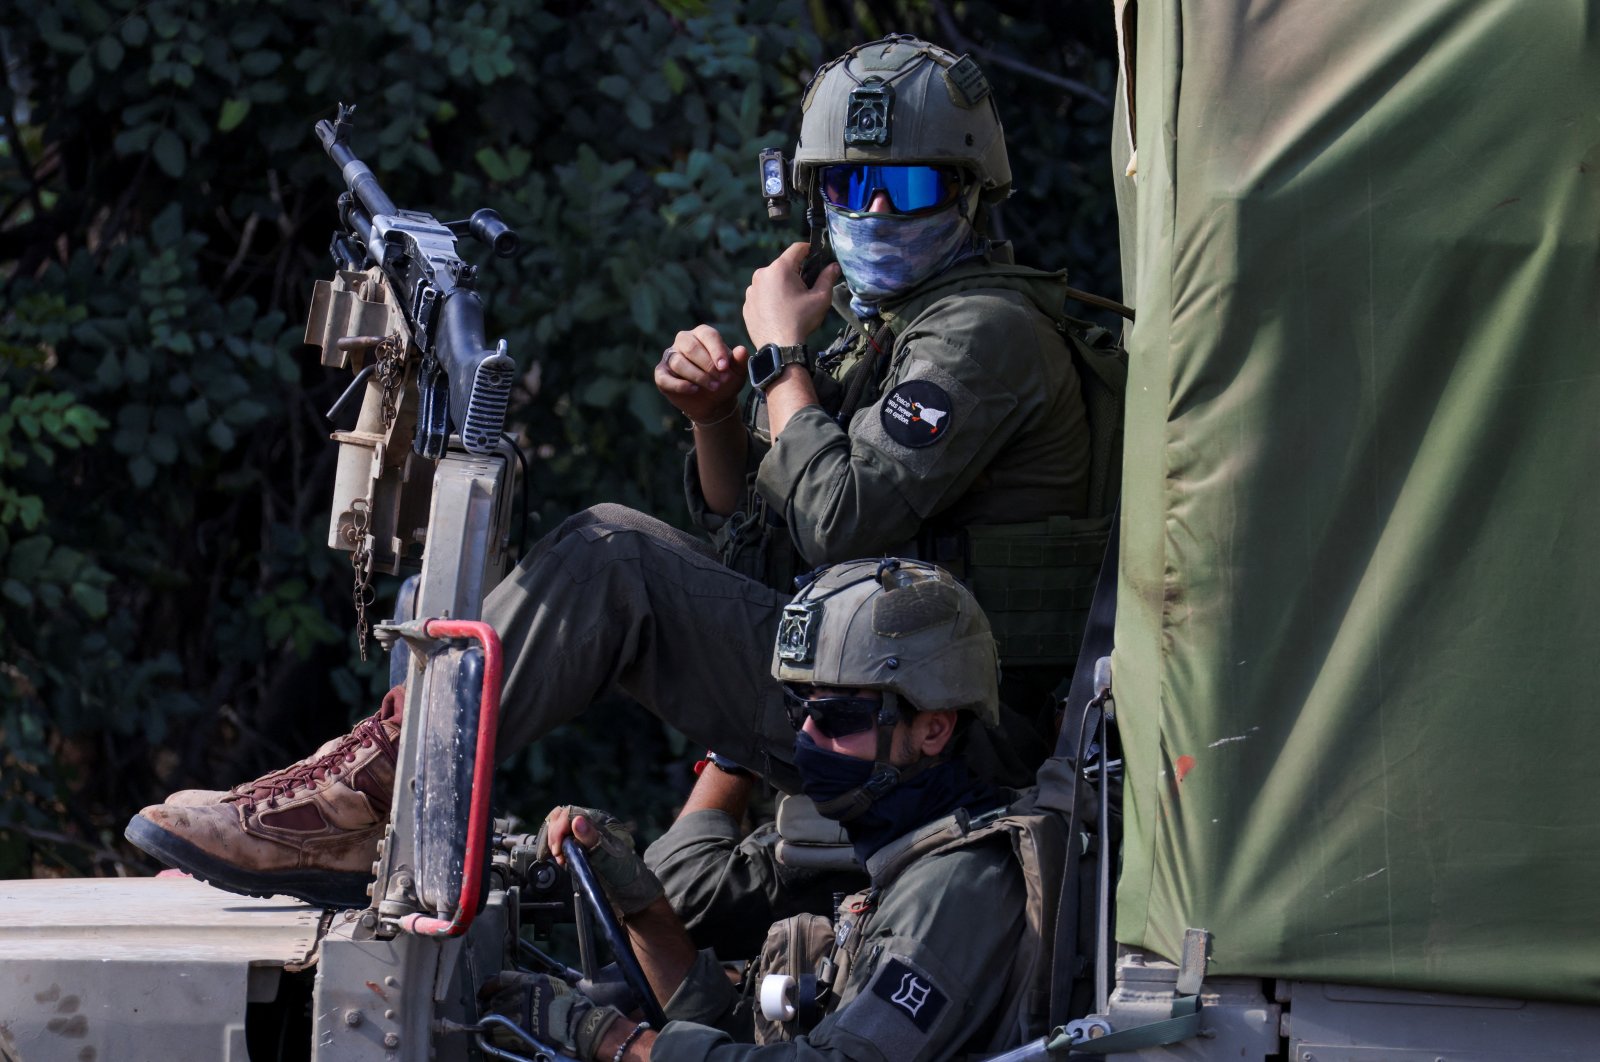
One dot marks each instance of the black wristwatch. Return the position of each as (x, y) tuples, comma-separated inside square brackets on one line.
[(723, 764), (768, 363)]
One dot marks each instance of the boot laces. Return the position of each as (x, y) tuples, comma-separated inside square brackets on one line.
[(286, 781)]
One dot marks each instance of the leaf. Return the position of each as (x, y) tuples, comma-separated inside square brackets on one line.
[(91, 599), (162, 449), (247, 35), (493, 164), (64, 42), (135, 31), (136, 365), (166, 229), (260, 64), (672, 73), (168, 153), (646, 404), (638, 111), (642, 305), (16, 593), (28, 555), (141, 471), (81, 76), (136, 140), (109, 52), (233, 112), (517, 160)]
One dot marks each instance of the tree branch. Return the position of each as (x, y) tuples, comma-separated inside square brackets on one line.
[(959, 42)]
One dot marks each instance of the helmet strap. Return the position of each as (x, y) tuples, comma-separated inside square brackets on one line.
[(885, 775)]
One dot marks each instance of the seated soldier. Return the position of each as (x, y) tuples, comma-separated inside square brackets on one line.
[(884, 663)]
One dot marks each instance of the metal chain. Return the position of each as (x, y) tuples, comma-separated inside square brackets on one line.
[(391, 371), (361, 561)]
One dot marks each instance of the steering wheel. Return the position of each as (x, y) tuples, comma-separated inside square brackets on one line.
[(616, 937)]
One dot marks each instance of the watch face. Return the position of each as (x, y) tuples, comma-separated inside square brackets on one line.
[(764, 365)]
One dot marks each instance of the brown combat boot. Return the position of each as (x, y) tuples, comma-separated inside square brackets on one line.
[(197, 798), (310, 831)]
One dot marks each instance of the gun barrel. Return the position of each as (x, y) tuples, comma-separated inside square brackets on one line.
[(357, 175)]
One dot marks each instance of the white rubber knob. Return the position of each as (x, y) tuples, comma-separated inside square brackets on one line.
[(777, 995)]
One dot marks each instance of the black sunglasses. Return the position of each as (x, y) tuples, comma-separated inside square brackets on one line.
[(836, 717)]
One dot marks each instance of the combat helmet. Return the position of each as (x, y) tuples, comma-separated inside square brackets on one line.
[(904, 627), (903, 100)]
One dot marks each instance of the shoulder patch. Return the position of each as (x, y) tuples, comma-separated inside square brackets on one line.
[(967, 84), (913, 994), (916, 413)]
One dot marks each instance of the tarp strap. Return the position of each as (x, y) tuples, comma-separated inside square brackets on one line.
[(1073, 744)]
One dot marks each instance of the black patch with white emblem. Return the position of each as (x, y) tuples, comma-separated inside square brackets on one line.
[(909, 992), (916, 413)]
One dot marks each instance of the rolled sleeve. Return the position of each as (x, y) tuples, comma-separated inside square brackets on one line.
[(729, 890), (705, 996)]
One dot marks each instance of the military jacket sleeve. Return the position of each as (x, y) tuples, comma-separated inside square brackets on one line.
[(979, 420), (929, 972), (729, 890)]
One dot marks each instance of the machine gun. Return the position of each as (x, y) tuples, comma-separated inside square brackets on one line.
[(460, 380), (403, 311)]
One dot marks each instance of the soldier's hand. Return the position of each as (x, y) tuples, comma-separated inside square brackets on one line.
[(549, 1009), (630, 885), (779, 308), (701, 375)]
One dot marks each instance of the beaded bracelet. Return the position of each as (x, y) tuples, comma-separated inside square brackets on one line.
[(627, 1041)]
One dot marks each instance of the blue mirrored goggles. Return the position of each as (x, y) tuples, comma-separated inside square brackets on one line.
[(911, 189), (837, 717)]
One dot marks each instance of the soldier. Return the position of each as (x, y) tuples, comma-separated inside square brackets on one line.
[(884, 664), (949, 406)]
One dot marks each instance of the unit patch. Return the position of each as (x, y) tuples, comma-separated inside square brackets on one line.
[(909, 992), (916, 413), (966, 81)]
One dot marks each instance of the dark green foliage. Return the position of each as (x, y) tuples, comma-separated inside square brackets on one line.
[(169, 614)]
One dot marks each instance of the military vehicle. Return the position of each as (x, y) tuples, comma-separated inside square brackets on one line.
[(1352, 683)]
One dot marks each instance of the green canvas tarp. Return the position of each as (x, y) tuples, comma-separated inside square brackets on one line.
[(1358, 641)]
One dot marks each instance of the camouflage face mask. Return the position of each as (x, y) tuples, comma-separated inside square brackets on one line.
[(886, 255)]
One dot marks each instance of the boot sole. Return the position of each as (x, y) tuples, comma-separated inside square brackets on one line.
[(321, 888)]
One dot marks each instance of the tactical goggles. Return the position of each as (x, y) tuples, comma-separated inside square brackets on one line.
[(838, 716), (911, 189)]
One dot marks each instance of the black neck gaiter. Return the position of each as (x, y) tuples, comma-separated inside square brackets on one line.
[(928, 795)]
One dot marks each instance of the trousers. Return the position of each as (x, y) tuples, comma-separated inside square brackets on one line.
[(613, 598)]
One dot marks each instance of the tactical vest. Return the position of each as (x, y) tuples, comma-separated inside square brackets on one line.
[(1035, 581), (828, 950)]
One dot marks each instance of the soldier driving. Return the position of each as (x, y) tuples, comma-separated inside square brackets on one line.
[(902, 152), (884, 665)]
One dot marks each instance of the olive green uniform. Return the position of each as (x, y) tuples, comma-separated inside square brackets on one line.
[(1012, 449), (729, 889), (928, 979), (616, 598)]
